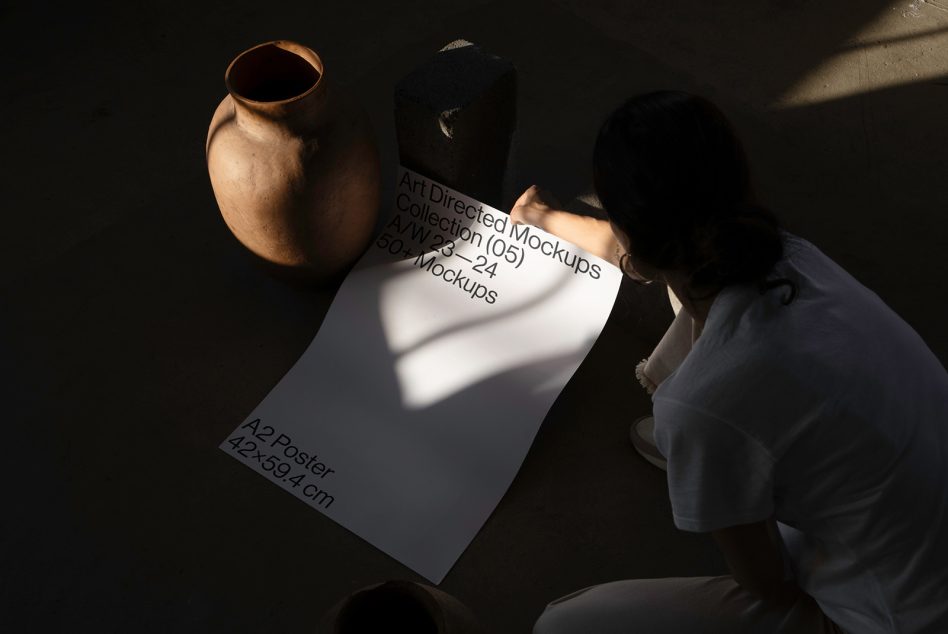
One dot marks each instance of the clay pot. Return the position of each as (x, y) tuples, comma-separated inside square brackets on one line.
[(293, 163), (399, 606)]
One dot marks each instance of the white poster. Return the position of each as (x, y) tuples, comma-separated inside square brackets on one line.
[(408, 416)]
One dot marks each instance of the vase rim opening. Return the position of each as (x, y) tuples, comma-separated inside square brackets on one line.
[(274, 73)]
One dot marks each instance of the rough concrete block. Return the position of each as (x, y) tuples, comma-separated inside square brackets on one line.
[(455, 116)]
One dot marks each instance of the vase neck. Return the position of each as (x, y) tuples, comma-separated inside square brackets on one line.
[(278, 88), (295, 117)]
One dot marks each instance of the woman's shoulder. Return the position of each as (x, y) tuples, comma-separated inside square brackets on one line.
[(794, 244), (803, 257)]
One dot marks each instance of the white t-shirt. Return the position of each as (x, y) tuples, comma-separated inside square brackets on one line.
[(831, 414)]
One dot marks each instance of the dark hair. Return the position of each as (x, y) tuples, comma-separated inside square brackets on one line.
[(671, 174)]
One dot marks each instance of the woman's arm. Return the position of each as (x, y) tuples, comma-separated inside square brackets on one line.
[(754, 557), (591, 234)]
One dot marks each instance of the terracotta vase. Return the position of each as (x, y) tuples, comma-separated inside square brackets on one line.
[(293, 163), (399, 606)]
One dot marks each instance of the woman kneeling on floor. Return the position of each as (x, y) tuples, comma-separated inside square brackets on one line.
[(805, 428)]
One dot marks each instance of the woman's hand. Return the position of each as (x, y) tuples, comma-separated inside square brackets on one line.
[(540, 208), (533, 207)]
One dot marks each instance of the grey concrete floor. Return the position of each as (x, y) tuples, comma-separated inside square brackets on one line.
[(136, 334)]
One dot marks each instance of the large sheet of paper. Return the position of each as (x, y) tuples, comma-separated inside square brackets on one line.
[(408, 416)]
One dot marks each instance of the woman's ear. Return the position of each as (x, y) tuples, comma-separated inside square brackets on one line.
[(620, 236), (647, 271)]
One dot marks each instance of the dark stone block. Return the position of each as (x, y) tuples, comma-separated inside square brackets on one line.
[(455, 116)]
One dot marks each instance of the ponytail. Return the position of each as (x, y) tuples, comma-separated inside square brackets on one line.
[(739, 247)]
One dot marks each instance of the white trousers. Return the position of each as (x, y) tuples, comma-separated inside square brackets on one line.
[(671, 350), (678, 605)]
